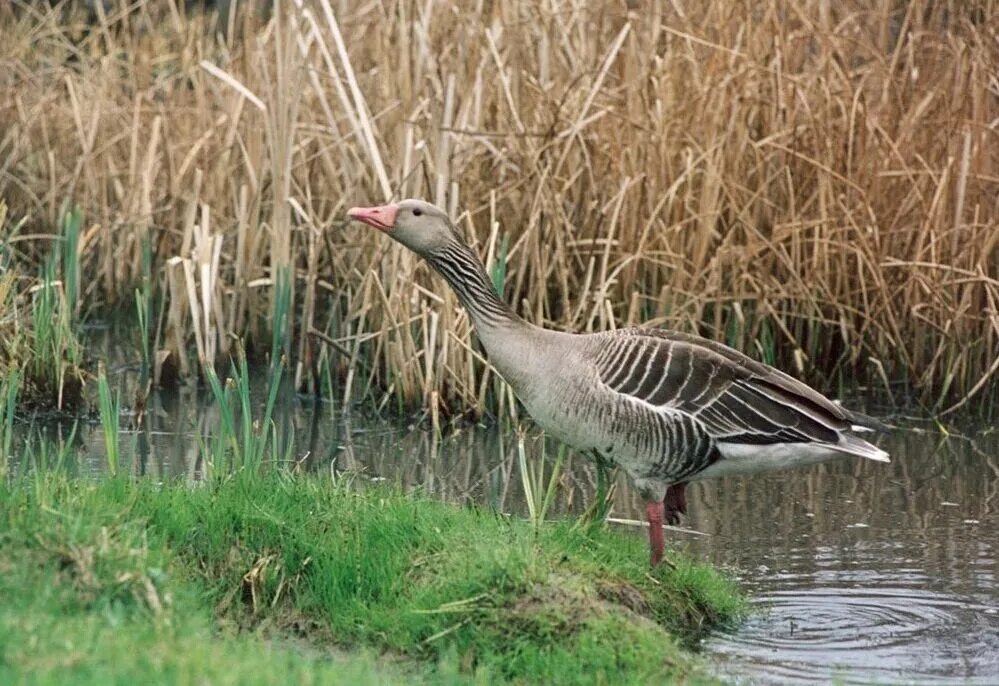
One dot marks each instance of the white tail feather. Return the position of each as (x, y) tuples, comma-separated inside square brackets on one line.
[(851, 445), (749, 458)]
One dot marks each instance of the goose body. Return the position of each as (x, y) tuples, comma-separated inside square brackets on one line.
[(666, 407)]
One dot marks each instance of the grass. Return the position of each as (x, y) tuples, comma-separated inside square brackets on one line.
[(91, 599), (811, 182), (267, 578)]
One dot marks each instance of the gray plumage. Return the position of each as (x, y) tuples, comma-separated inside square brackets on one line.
[(665, 406)]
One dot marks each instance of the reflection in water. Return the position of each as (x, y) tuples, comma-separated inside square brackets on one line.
[(861, 572)]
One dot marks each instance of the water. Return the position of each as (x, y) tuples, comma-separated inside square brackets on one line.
[(864, 572), (859, 572)]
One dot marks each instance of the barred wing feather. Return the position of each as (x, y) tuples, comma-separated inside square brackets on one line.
[(737, 399)]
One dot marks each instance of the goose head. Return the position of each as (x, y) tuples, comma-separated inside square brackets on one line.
[(423, 228)]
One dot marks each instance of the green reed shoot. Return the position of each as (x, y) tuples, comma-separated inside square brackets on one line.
[(8, 402), (225, 438), (44, 330), (144, 310), (6, 234), (147, 265), (71, 260), (599, 509), (539, 490), (38, 455), (109, 405), (142, 316), (241, 388), (734, 328), (46, 363), (498, 271), (766, 342), (241, 433), (55, 349), (45, 455), (255, 432), (281, 316)]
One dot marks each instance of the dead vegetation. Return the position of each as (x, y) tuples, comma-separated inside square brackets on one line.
[(812, 182)]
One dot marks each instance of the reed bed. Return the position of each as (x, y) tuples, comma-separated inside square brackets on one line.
[(814, 183), (38, 317)]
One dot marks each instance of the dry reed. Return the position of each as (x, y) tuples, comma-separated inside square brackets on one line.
[(812, 182)]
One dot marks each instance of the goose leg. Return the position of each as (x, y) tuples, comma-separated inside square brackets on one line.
[(654, 512), (675, 503)]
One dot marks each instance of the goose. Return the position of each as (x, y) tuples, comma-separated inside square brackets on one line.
[(666, 407)]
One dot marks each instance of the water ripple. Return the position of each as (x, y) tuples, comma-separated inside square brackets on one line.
[(806, 633)]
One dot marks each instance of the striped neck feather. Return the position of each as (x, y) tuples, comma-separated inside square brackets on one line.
[(463, 270)]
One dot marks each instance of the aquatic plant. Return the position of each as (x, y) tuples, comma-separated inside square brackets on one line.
[(242, 439), (9, 386), (599, 508), (281, 324), (70, 260), (498, 272), (42, 457), (109, 406), (37, 321), (11, 320), (539, 490), (145, 319), (142, 320), (53, 350)]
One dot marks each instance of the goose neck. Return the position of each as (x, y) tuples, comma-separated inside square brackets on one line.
[(464, 272)]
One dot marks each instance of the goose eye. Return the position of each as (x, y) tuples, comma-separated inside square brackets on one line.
[(417, 213)]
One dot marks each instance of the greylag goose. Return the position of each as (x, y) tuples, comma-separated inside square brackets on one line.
[(666, 407)]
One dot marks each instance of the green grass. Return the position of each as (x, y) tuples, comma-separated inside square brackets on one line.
[(85, 608), (269, 578)]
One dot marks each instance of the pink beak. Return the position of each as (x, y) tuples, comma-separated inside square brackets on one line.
[(382, 218)]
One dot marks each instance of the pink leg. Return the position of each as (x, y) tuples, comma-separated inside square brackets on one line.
[(654, 513)]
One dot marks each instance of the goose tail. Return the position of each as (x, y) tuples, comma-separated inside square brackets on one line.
[(852, 445)]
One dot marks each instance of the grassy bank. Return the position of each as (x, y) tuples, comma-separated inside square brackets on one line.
[(276, 579), (811, 182)]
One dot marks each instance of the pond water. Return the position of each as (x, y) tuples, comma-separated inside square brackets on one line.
[(860, 572)]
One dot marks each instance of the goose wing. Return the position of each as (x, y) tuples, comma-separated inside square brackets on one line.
[(737, 399)]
